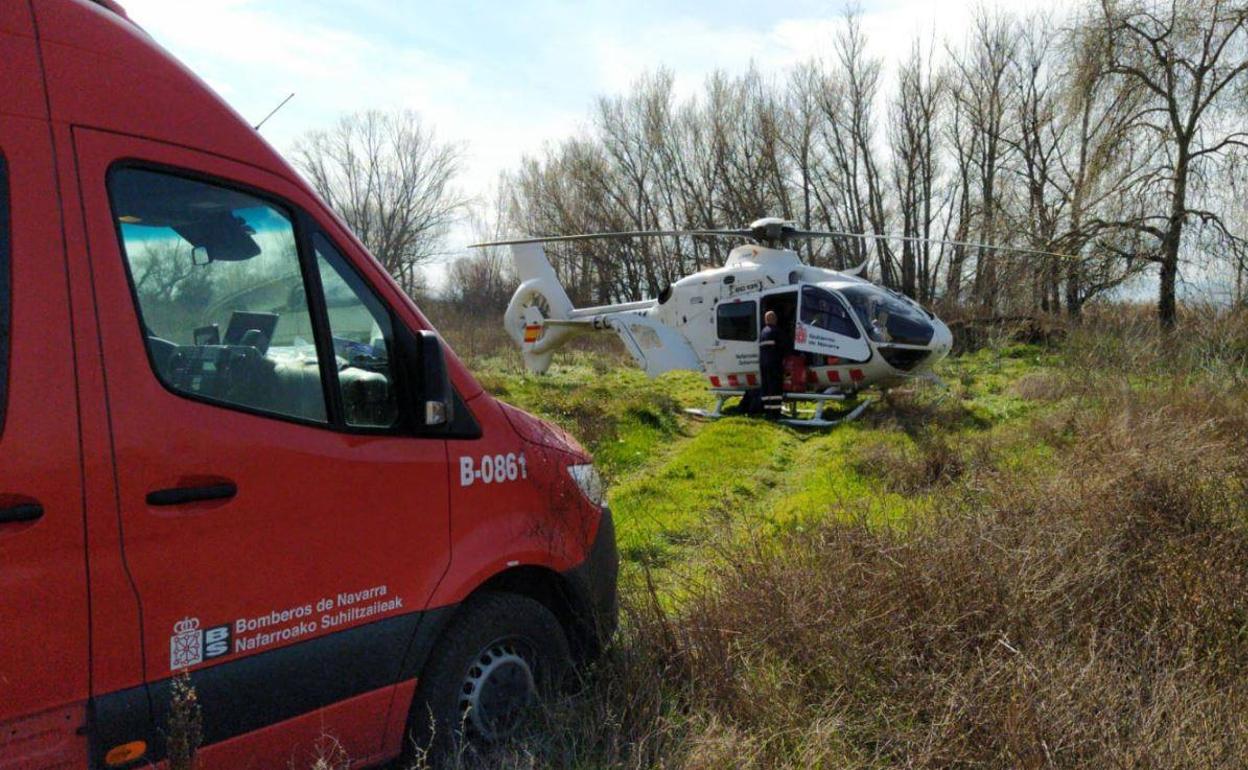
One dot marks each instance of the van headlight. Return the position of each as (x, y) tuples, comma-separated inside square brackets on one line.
[(589, 482)]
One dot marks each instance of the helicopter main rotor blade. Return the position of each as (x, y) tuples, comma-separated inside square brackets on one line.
[(600, 236), (754, 234), (918, 239)]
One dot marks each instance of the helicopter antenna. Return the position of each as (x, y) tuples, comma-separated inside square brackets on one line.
[(274, 111)]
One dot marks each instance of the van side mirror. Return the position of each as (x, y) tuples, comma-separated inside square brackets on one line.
[(437, 396), (425, 379)]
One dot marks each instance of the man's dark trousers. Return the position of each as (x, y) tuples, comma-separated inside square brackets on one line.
[(772, 371)]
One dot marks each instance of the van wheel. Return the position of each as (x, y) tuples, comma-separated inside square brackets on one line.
[(494, 663)]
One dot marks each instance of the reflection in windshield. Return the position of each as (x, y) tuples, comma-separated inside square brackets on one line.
[(888, 318), (178, 294), (823, 310)]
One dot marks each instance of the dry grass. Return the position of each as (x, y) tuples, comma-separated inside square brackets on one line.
[(477, 337), (186, 724), (1088, 612), (1092, 618), (933, 462)]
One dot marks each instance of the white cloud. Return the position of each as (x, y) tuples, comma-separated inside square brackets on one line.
[(500, 99)]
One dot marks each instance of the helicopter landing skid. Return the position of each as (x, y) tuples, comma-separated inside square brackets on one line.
[(721, 397), (817, 420)]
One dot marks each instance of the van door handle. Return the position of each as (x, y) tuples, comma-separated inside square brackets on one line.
[(181, 495), (15, 514)]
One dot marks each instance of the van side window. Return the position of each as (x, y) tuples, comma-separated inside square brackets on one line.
[(737, 321), (221, 296), (4, 287), (363, 340)]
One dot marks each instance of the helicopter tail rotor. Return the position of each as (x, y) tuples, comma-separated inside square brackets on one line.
[(539, 300)]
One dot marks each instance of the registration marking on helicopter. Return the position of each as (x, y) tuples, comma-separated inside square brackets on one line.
[(745, 288)]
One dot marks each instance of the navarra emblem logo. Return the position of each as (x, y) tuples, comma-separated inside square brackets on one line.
[(186, 646)]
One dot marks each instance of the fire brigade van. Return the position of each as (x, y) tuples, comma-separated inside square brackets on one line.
[(233, 450)]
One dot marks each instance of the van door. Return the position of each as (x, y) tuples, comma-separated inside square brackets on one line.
[(825, 326), (282, 524), (43, 589)]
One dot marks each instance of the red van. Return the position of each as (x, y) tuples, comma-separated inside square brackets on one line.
[(231, 446)]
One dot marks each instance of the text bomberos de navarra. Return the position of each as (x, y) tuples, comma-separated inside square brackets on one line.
[(343, 609)]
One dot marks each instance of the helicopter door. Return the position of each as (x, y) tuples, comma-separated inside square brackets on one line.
[(825, 326), (735, 352)]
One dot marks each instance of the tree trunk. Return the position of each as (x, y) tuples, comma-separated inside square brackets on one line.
[(1074, 303), (1166, 312)]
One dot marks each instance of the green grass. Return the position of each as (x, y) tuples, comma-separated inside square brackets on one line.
[(620, 415), (677, 483), (722, 469)]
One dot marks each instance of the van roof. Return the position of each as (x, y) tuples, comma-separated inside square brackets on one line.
[(112, 6), (104, 71)]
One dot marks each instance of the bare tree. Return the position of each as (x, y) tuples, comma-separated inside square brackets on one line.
[(391, 180), (981, 86), (1187, 55), (1035, 132), (912, 136), (1076, 159), (484, 279), (1236, 256)]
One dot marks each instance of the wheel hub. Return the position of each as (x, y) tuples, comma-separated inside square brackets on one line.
[(497, 689)]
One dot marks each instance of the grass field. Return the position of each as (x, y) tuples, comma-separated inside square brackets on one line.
[(1041, 564), (678, 483)]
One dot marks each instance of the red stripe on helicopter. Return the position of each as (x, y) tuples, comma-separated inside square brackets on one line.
[(834, 376), (855, 374), (745, 379)]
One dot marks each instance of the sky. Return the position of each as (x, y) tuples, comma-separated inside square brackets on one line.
[(500, 77)]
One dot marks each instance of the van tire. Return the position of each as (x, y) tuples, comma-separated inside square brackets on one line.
[(496, 645)]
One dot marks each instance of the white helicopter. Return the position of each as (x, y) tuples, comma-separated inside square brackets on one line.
[(847, 334)]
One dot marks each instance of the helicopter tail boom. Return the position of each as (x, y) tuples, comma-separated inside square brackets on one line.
[(541, 319)]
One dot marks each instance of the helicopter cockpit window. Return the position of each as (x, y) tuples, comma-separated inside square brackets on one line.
[(737, 321), (888, 318), (823, 310), (221, 297)]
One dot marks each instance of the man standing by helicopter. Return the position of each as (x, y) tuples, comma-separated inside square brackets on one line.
[(771, 366)]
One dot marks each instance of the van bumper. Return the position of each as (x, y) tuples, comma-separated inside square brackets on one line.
[(595, 583)]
